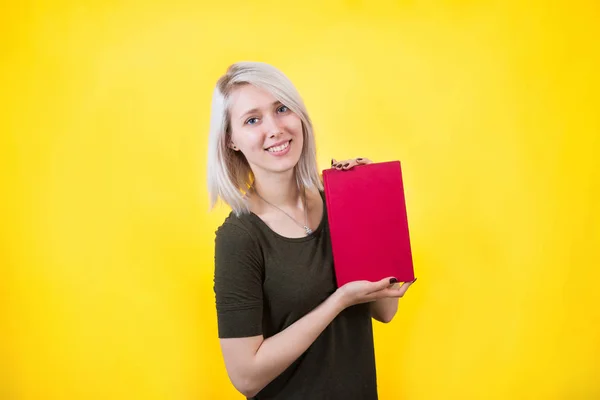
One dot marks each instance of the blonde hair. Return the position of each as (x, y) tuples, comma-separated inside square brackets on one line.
[(229, 174)]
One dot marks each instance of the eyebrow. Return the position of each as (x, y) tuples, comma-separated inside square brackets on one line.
[(254, 110)]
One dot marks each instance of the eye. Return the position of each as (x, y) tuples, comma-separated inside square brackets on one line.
[(252, 121), (282, 109)]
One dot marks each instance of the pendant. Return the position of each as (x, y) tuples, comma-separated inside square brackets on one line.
[(308, 230)]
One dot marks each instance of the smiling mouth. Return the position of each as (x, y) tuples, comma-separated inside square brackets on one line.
[(280, 148)]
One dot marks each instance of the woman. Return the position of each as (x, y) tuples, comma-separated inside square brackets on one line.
[(286, 331)]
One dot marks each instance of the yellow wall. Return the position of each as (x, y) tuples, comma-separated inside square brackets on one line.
[(106, 241)]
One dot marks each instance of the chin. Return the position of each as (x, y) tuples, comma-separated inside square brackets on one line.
[(283, 167)]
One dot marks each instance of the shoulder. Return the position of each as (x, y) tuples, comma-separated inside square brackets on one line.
[(235, 226), (237, 234)]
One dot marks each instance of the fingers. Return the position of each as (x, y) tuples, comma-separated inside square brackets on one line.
[(402, 289), (382, 284), (386, 293), (392, 290), (340, 164), (348, 164)]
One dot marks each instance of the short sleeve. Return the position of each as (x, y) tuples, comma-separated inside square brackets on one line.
[(238, 283)]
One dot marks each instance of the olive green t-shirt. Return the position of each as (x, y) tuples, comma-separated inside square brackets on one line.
[(264, 282)]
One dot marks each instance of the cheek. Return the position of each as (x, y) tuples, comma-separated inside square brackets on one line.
[(247, 139), (294, 124)]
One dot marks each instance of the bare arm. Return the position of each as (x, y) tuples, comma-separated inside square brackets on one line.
[(384, 309), (253, 362)]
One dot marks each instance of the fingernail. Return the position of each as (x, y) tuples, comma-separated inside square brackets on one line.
[(345, 165), (393, 280), (359, 159)]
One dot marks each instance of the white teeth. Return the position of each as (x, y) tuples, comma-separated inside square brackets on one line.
[(278, 148)]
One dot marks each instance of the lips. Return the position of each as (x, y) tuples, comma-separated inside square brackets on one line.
[(279, 147)]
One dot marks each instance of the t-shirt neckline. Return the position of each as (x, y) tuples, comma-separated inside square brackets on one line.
[(314, 234)]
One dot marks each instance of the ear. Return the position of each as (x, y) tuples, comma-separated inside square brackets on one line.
[(233, 146)]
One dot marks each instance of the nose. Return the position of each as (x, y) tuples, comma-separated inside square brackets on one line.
[(271, 126)]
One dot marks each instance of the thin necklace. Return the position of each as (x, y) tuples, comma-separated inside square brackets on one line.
[(305, 226)]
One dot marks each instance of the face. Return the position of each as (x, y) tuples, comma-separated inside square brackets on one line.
[(264, 130)]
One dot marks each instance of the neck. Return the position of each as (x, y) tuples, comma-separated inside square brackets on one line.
[(280, 190)]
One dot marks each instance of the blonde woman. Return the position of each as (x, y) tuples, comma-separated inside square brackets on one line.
[(286, 331)]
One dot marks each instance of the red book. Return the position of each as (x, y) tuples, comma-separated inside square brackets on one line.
[(368, 223)]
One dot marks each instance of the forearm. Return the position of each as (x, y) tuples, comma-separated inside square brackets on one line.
[(278, 352), (384, 310)]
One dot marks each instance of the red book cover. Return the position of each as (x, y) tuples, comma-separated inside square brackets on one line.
[(368, 223)]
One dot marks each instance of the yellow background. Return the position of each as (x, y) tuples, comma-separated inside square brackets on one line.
[(107, 245)]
